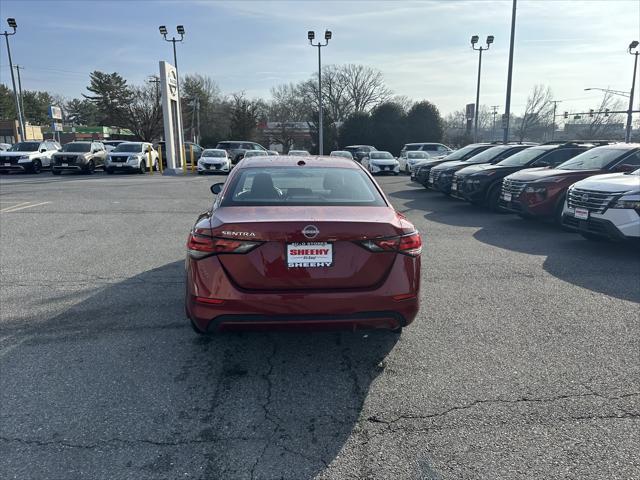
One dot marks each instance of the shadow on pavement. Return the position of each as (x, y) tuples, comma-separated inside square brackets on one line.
[(121, 383)]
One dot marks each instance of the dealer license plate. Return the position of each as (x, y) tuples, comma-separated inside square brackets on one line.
[(309, 255), (581, 213), (507, 197)]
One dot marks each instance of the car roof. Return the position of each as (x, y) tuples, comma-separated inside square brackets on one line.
[(292, 161), (424, 143), (621, 146)]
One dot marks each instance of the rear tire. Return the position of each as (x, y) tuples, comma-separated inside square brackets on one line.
[(90, 168), (142, 168)]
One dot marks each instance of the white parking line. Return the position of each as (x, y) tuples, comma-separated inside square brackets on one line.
[(22, 206)]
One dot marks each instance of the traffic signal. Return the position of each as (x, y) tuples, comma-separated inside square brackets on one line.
[(591, 112), (566, 114), (606, 112)]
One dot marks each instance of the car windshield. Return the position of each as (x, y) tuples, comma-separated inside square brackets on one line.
[(214, 153), (255, 153), (524, 157), (466, 152), (488, 155), (417, 155), (593, 159), (380, 156), (24, 147), (128, 147), (298, 152), (412, 147), (76, 147), (327, 186)]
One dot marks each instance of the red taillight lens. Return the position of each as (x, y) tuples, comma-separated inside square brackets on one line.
[(411, 244), (200, 245), (407, 244)]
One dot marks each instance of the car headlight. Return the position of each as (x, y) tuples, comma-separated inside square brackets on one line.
[(133, 158), (626, 204), (24, 159)]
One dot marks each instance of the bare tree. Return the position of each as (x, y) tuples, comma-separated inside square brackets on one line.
[(286, 107), (603, 125), (365, 87), (143, 113), (537, 113), (334, 93)]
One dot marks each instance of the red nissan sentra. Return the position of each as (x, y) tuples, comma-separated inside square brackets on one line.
[(301, 241)]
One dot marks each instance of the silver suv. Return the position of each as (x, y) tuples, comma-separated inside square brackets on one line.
[(30, 156), (78, 157)]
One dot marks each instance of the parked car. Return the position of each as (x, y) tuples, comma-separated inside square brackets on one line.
[(111, 144), (4, 147), (412, 158), (605, 206), (298, 153), (381, 162), (214, 160), (262, 256), (341, 153), (358, 152), (432, 149), (131, 156), (256, 153), (481, 184), (30, 156), (237, 149), (79, 157), (421, 173), (541, 193), (441, 176)]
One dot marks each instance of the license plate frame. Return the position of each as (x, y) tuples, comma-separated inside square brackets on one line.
[(581, 213), (310, 258)]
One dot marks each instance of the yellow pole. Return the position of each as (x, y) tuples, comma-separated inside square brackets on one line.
[(149, 162), (184, 163), (160, 158), (193, 165)]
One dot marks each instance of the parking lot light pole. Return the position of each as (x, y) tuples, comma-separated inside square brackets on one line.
[(12, 23), (327, 36), (608, 90), (507, 105), (632, 46), (474, 41)]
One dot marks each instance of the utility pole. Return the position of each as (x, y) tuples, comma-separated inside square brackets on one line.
[(198, 120), (18, 68), (632, 45), (507, 107), (553, 123), (156, 80), (12, 23), (494, 111)]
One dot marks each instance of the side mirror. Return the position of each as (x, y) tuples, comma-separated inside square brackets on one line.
[(216, 188), (42, 150)]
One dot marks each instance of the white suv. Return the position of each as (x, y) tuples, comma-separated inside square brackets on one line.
[(605, 206), (28, 156)]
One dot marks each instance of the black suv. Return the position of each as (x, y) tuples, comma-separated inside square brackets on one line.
[(481, 184), (236, 149), (421, 172), (358, 152), (441, 176), (78, 157)]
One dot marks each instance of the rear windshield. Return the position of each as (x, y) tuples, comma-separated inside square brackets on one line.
[(593, 159), (76, 147), (467, 152), (298, 186), (522, 158), (128, 147), (25, 147)]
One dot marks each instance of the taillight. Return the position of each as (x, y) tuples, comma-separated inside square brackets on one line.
[(410, 244), (201, 244)]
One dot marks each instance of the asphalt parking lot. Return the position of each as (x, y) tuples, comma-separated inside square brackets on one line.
[(524, 361)]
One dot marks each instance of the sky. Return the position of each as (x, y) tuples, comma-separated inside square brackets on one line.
[(422, 47)]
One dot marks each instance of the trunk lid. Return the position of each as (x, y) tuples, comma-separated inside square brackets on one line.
[(338, 230)]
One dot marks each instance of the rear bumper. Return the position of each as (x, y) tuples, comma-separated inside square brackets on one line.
[(371, 308)]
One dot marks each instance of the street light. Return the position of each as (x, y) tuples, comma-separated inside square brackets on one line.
[(474, 42), (632, 46), (174, 40), (327, 36), (12, 23), (608, 90)]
